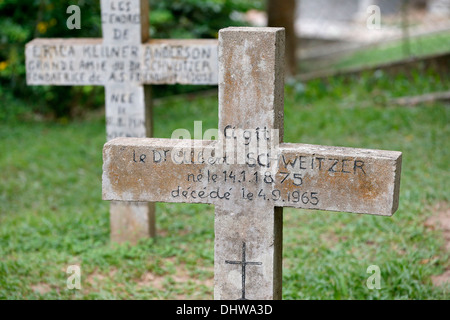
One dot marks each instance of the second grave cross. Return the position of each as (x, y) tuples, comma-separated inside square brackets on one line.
[(250, 187), (123, 62)]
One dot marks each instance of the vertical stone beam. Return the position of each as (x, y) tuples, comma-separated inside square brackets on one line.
[(128, 104), (251, 84)]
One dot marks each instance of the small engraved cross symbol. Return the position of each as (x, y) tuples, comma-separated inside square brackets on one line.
[(243, 263)]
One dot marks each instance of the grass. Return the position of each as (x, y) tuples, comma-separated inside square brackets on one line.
[(52, 215), (384, 52), (393, 51)]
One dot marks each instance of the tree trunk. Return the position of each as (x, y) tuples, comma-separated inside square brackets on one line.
[(282, 14)]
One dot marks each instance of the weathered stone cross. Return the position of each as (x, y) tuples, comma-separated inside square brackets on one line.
[(123, 61), (249, 193)]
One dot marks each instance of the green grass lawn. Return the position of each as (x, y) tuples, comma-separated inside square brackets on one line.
[(52, 215), (384, 52), (396, 50)]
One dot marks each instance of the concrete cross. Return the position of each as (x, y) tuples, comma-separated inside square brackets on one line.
[(248, 183), (123, 62)]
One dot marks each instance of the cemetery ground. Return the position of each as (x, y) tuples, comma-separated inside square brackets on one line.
[(385, 52), (397, 50), (52, 215)]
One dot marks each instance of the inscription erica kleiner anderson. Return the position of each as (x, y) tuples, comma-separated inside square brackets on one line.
[(98, 63)]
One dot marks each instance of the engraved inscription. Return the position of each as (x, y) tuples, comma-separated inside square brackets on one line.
[(89, 62), (299, 176), (243, 264)]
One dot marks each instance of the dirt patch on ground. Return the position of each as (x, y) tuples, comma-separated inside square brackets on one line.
[(441, 221), (164, 233), (96, 278), (180, 277), (149, 279), (442, 279), (329, 238), (41, 288)]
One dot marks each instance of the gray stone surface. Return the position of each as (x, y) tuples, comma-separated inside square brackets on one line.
[(123, 62), (342, 179), (127, 101), (88, 61), (252, 180), (251, 82)]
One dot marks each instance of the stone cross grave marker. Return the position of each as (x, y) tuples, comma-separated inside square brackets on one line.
[(248, 182), (123, 62)]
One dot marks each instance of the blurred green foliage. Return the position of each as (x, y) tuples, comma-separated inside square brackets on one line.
[(23, 20)]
